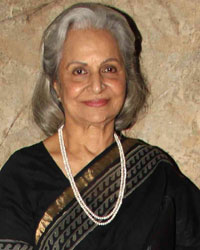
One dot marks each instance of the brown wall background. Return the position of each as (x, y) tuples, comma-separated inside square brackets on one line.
[(170, 60)]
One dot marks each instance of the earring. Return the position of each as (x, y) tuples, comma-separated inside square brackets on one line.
[(59, 99)]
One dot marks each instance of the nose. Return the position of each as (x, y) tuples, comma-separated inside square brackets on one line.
[(97, 83)]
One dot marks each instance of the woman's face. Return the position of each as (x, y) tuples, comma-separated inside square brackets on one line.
[(92, 81)]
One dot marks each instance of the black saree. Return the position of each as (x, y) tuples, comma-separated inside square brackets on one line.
[(147, 220)]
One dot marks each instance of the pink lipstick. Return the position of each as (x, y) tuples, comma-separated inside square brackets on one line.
[(96, 102)]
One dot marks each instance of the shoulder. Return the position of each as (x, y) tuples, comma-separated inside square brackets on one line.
[(144, 150), (23, 160), (148, 162), (29, 151), (24, 173), (148, 156), (32, 166)]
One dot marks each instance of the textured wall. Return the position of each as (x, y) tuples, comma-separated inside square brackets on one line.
[(171, 62)]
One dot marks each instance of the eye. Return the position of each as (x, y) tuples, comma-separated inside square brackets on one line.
[(109, 69), (79, 71)]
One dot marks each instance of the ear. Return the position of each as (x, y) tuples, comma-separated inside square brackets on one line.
[(56, 87)]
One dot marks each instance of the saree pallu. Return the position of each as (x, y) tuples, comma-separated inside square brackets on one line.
[(160, 210)]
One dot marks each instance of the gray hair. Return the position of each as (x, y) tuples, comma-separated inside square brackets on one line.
[(47, 110)]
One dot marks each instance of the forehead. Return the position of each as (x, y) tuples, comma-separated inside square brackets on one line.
[(88, 42)]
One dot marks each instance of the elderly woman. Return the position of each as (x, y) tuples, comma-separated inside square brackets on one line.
[(87, 186)]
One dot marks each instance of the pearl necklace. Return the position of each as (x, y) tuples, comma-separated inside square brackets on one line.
[(99, 220)]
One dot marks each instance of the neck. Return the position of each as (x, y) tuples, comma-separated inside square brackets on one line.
[(93, 139)]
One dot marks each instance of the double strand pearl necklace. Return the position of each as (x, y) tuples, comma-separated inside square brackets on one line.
[(99, 220)]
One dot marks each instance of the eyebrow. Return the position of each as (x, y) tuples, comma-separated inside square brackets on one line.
[(111, 59), (76, 62), (85, 64)]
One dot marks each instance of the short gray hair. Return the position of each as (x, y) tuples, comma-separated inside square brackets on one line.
[(47, 110)]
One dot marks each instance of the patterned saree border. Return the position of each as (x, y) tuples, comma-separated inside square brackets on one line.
[(6, 244), (106, 161), (73, 225)]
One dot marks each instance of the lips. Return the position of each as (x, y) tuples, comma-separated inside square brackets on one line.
[(96, 102)]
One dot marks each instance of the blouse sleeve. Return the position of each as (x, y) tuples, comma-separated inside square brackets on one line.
[(16, 215)]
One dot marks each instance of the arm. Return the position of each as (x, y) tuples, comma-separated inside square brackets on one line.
[(186, 198), (177, 225), (16, 215)]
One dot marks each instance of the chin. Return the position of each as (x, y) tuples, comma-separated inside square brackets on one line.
[(97, 121)]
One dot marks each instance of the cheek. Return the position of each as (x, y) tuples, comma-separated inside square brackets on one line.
[(120, 89), (71, 91), (122, 93)]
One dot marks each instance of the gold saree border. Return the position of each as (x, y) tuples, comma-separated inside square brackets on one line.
[(82, 182)]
